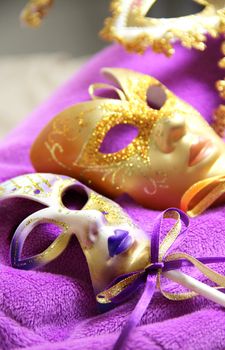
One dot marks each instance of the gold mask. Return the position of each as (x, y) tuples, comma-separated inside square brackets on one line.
[(174, 146)]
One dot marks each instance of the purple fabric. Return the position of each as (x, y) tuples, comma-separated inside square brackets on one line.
[(55, 308)]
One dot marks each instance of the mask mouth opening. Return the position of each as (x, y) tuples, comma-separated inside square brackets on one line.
[(156, 97), (118, 138), (108, 93), (75, 197)]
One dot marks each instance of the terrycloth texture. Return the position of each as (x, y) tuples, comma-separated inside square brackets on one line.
[(54, 308)]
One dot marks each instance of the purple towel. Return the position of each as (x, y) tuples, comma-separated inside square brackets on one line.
[(54, 308)]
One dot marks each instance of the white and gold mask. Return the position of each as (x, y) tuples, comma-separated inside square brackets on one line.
[(112, 244)]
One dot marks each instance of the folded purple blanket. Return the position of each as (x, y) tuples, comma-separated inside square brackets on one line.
[(55, 308)]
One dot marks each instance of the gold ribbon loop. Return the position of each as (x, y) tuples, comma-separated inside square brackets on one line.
[(97, 86), (171, 235), (106, 296), (205, 270), (202, 195)]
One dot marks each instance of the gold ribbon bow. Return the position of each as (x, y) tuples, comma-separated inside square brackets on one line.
[(166, 262)]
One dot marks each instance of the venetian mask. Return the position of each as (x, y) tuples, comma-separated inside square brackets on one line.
[(167, 145), (112, 243)]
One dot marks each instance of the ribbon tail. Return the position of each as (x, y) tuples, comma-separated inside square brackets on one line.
[(137, 313), (211, 189)]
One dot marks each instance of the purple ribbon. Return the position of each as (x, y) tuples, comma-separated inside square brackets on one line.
[(149, 275)]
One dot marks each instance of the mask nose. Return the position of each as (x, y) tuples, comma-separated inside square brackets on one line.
[(168, 131)]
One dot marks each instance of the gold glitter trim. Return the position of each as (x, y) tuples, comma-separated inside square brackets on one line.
[(135, 111)]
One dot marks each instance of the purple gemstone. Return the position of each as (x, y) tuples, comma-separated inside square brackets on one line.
[(37, 191), (119, 242)]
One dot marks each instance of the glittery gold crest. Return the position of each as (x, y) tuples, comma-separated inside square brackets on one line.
[(34, 12), (130, 27)]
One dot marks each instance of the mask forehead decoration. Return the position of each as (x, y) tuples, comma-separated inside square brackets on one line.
[(71, 142), (111, 242)]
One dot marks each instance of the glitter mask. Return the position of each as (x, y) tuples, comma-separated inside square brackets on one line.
[(150, 166), (111, 243)]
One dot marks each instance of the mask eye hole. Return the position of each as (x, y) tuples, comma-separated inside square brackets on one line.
[(75, 197), (118, 138), (156, 97), (46, 234), (174, 9)]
